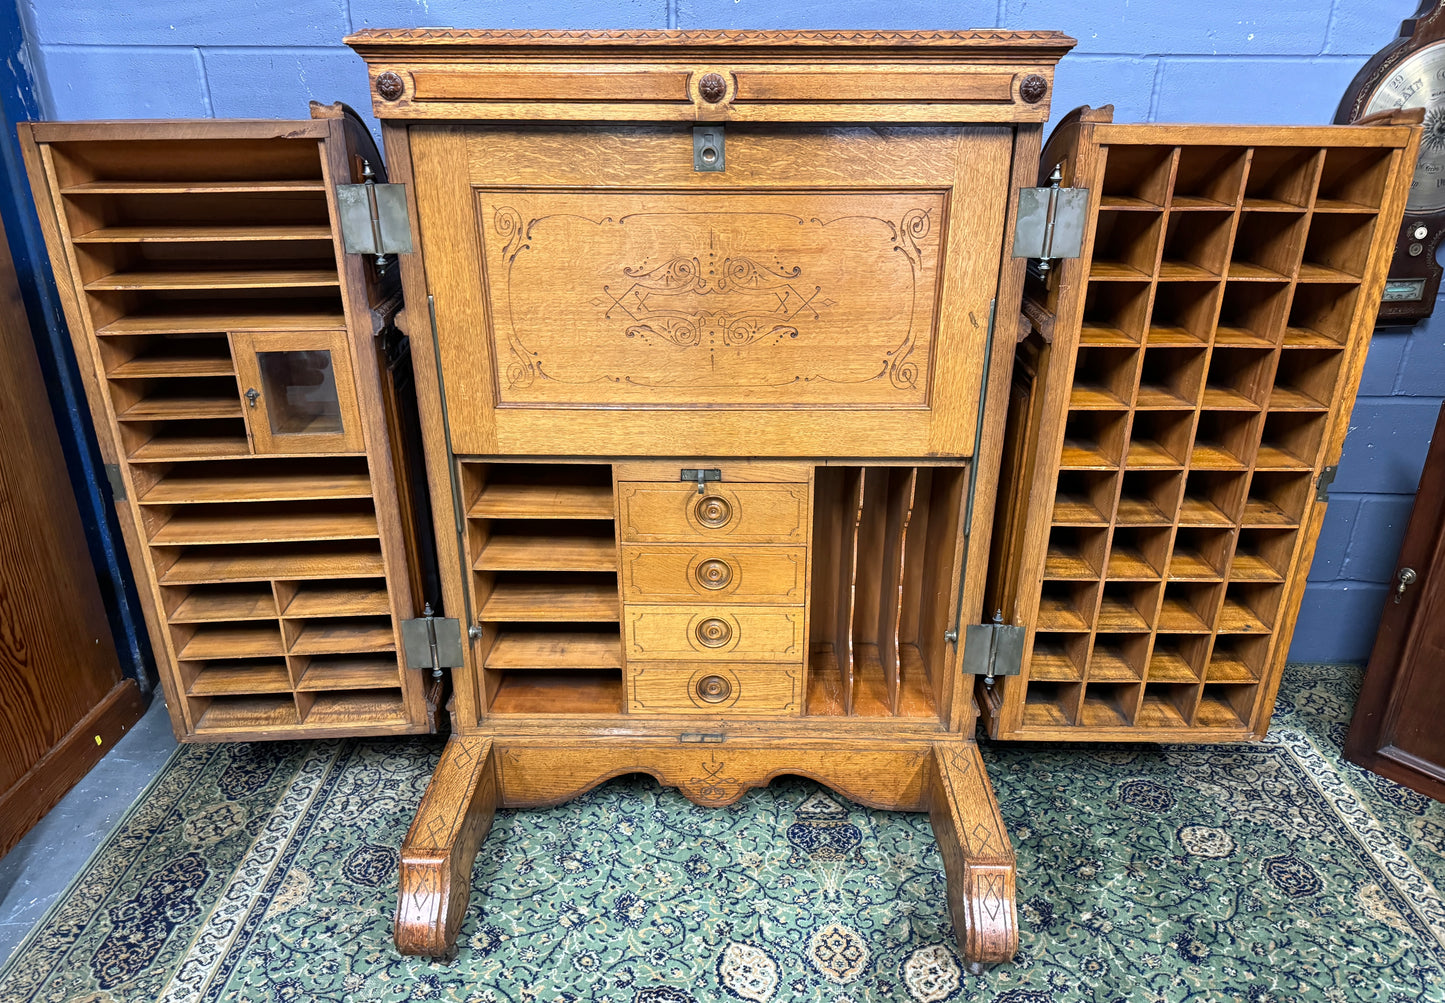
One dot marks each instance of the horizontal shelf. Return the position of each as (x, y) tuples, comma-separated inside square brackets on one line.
[(1116, 271), (1126, 202), (1154, 398), (334, 600), (1115, 615), (191, 447), (543, 501), (1140, 512), (1184, 271), (1188, 566), (264, 677), (1236, 618), (1288, 399), (1303, 337), (1166, 336), (1248, 271), (1274, 458), (349, 674), (266, 527), (547, 553), (191, 187), (239, 604), (1207, 457), (174, 365), (233, 315), (559, 693), (1102, 335), (1224, 669), (1197, 202), (1310, 272), (1249, 568), (1060, 615), (248, 713), (559, 650), (1202, 512), (1106, 667), (1074, 511), (1078, 456), (512, 601), (1127, 565), (1064, 566), (181, 409), (1146, 455), (177, 234), (1168, 667), (1239, 337), (248, 278), (1225, 399), (1158, 712), (202, 565), (1089, 398), (1178, 617), (179, 487), (1263, 513), (320, 637), (373, 708), (244, 641)]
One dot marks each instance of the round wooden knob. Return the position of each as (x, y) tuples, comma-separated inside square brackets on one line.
[(712, 87), (714, 633), (714, 574), (1033, 88), (713, 512), (713, 689)]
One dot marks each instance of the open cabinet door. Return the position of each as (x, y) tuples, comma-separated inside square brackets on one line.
[(1396, 729)]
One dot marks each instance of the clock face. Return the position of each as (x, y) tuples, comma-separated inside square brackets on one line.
[(1419, 82)]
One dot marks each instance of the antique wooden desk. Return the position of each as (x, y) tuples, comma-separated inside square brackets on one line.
[(713, 412)]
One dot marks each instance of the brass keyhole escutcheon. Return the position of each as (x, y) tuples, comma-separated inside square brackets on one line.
[(714, 633), (713, 689), (714, 574), (713, 512)]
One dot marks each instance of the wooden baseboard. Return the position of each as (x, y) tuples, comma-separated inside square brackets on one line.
[(60, 769)]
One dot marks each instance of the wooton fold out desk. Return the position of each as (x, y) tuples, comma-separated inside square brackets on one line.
[(713, 411)]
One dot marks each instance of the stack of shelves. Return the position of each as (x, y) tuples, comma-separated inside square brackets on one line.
[(1223, 318), (207, 293), (541, 543)]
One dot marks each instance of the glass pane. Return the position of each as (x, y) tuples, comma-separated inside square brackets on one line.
[(300, 392)]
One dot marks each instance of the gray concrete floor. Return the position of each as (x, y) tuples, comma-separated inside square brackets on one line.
[(42, 865)]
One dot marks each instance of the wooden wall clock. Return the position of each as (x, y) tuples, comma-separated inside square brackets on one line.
[(1410, 73)]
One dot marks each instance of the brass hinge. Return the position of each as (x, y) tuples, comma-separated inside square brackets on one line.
[(993, 649), (1322, 485), (432, 642), (1051, 222), (373, 218), (117, 482)]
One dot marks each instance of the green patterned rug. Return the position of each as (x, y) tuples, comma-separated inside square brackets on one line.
[(1270, 872)]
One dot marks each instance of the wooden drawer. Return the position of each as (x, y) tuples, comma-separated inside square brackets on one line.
[(733, 688), (753, 574), (734, 513), (722, 633)]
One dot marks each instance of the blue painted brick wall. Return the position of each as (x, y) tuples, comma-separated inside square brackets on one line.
[(1285, 61)]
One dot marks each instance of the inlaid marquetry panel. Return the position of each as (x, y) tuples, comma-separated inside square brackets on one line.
[(701, 299)]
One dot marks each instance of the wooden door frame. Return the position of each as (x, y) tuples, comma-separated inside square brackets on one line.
[(1392, 661)]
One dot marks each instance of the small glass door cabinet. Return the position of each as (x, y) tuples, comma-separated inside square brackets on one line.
[(297, 392)]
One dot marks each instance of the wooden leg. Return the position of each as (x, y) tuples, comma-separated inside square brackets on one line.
[(977, 857), (436, 859)]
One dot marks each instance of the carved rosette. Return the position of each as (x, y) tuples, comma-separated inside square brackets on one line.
[(389, 85)]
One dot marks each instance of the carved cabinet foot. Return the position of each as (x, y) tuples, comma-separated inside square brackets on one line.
[(441, 846), (978, 859)]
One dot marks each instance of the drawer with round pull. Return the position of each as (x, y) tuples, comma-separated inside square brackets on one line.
[(693, 574), (723, 633), (721, 687), (721, 512)]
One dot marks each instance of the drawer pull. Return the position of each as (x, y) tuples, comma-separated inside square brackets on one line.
[(713, 689), (714, 633), (713, 512), (714, 574)]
